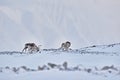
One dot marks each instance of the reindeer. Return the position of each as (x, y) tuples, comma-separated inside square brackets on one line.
[(65, 46), (31, 47)]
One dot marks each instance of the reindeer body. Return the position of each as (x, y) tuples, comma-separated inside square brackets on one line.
[(65, 46), (30, 47)]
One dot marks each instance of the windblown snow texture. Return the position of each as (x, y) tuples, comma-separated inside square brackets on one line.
[(99, 62)]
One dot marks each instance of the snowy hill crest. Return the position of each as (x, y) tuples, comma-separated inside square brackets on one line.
[(91, 62)]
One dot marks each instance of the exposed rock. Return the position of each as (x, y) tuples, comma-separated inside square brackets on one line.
[(7, 67), (109, 67), (88, 70), (15, 69), (52, 65), (65, 65), (40, 68), (25, 68)]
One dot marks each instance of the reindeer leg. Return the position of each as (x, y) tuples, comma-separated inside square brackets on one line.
[(23, 50)]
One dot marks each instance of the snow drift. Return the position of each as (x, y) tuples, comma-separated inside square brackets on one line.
[(95, 62), (50, 22)]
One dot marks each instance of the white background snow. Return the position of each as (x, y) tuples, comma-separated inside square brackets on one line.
[(49, 23)]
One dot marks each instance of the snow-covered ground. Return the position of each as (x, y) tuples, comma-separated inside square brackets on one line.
[(50, 22), (98, 62)]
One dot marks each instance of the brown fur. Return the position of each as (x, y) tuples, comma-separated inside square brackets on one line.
[(65, 46), (30, 47)]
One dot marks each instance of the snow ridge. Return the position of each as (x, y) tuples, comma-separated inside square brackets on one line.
[(103, 71)]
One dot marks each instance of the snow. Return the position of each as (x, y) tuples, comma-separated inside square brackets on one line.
[(92, 23), (50, 22), (54, 75), (114, 48), (58, 57), (66, 65)]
